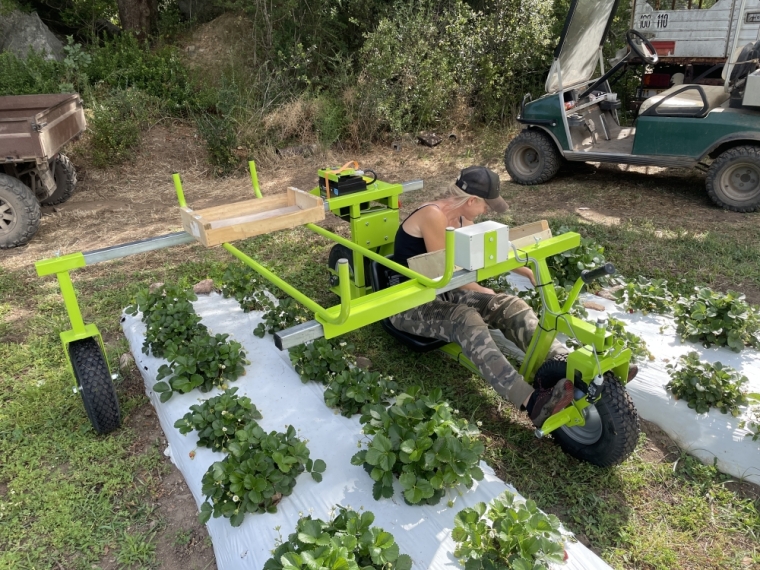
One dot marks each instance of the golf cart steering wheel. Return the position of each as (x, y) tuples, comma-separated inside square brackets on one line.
[(642, 48)]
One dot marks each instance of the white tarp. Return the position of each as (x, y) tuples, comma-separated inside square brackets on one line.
[(423, 532)]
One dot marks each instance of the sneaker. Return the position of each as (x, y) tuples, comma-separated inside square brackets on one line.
[(632, 371), (545, 403)]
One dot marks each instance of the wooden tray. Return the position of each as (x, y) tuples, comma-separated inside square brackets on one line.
[(240, 220)]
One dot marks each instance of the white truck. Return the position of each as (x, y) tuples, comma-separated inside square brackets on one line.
[(693, 38)]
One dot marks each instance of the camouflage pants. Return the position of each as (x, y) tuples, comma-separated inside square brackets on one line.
[(464, 317)]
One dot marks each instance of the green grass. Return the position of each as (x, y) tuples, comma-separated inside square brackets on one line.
[(68, 496)]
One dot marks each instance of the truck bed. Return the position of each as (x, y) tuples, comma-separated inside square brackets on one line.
[(37, 126)]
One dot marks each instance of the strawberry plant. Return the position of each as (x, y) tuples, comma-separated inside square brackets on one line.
[(168, 315), (507, 533), (320, 360), (704, 385), (566, 267), (348, 542), (259, 471), (533, 298), (218, 419), (645, 295), (420, 441), (500, 284), (286, 314), (352, 391), (752, 420), (203, 362), (714, 318), (244, 285)]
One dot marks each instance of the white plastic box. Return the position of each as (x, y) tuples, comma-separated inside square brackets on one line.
[(470, 245)]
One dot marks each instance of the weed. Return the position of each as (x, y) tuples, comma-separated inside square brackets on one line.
[(136, 549)]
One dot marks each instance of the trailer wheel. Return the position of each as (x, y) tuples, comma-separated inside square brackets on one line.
[(65, 181), (19, 212), (531, 158), (612, 427), (733, 180), (339, 252), (95, 385)]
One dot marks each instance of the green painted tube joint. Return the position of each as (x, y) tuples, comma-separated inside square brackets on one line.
[(178, 188), (254, 178)]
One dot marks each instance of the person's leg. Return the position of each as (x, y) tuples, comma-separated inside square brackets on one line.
[(454, 322)]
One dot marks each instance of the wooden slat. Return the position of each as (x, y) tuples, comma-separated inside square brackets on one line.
[(245, 207), (258, 216), (290, 220), (522, 236)]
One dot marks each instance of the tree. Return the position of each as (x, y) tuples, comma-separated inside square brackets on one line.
[(138, 16)]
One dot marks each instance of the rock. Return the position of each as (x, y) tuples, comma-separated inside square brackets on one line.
[(155, 287), (204, 287), (126, 360), (363, 362), (20, 31), (429, 139)]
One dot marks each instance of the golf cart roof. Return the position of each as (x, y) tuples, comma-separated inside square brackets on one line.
[(577, 53)]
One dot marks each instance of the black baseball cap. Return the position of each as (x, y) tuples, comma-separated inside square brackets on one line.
[(482, 182)]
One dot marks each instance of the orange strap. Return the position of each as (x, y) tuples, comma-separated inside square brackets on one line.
[(338, 171)]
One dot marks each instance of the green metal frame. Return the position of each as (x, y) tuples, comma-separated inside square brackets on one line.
[(373, 231)]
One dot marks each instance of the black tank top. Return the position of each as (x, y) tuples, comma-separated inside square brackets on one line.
[(407, 246)]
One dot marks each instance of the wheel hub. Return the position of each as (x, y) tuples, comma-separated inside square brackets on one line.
[(741, 181), (528, 161), (589, 433), (7, 217)]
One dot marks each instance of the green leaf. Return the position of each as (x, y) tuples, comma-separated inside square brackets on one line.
[(160, 387), (320, 466)]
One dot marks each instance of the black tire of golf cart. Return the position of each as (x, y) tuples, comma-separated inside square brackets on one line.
[(728, 175), (19, 212), (339, 252), (612, 429), (95, 385), (532, 158), (65, 181)]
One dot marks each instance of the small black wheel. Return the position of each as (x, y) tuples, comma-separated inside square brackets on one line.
[(19, 212), (65, 181), (532, 158), (612, 426), (95, 386), (339, 252), (733, 180)]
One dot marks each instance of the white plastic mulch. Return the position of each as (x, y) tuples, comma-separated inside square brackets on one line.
[(423, 532)]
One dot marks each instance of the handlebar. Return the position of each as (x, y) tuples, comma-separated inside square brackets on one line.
[(594, 274)]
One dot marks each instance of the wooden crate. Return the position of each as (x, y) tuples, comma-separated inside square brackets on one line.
[(240, 220)]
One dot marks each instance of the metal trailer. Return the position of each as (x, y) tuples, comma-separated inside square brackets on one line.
[(33, 130)]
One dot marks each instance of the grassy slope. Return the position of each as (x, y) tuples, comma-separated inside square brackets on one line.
[(67, 497)]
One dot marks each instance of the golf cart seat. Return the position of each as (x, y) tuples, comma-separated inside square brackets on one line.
[(382, 277), (685, 101)]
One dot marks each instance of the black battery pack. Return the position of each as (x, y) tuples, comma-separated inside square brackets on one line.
[(345, 185)]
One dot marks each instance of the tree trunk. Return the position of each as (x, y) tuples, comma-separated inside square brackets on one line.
[(138, 16)]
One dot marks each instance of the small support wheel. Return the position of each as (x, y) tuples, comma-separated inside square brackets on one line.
[(65, 181), (532, 158), (733, 180), (338, 252), (95, 385), (612, 426)]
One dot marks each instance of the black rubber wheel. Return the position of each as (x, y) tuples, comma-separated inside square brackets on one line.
[(339, 252), (19, 212), (95, 385), (733, 180), (612, 423), (532, 158), (65, 181)]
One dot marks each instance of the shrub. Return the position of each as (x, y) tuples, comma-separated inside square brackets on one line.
[(219, 134), (261, 469), (715, 318), (420, 440), (349, 541), (507, 533), (32, 75), (704, 385), (353, 391), (321, 360), (218, 419), (645, 295)]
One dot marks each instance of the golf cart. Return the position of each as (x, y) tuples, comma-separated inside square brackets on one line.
[(717, 127)]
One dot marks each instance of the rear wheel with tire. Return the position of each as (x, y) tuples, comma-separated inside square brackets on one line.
[(339, 252), (19, 212), (532, 158), (65, 181), (733, 180), (95, 385), (611, 431)]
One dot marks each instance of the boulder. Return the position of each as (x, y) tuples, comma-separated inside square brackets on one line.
[(20, 31)]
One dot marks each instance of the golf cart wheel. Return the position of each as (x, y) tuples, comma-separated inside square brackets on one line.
[(19, 212), (339, 252), (95, 386), (532, 158), (65, 181), (733, 181), (612, 427)]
